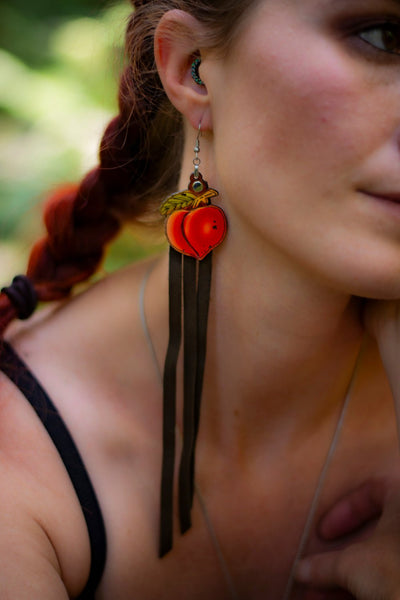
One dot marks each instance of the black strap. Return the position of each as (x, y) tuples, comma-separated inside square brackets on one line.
[(19, 374), (169, 401)]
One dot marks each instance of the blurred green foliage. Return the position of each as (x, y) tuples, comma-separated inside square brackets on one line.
[(59, 67)]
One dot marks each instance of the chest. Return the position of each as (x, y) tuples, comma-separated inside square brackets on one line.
[(246, 526), (256, 511)]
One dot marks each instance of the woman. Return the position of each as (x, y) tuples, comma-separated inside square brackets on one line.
[(296, 106)]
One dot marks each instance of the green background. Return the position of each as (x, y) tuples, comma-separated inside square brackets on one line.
[(59, 67)]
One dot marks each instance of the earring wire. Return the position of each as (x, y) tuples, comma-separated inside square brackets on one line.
[(197, 160)]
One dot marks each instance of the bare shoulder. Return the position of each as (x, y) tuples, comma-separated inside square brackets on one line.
[(91, 357), (101, 321), (38, 556), (90, 353)]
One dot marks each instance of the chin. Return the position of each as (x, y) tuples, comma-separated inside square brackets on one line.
[(368, 274), (379, 288)]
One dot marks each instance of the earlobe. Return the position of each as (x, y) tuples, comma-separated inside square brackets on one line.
[(176, 48)]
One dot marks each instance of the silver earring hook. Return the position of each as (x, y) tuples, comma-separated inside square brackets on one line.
[(196, 160)]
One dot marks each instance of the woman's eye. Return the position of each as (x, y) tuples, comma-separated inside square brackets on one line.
[(385, 37)]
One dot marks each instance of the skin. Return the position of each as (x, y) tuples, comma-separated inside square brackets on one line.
[(292, 145)]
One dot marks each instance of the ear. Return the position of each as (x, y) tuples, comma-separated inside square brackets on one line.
[(176, 45)]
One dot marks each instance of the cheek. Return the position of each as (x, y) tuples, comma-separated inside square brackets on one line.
[(308, 98), (315, 115), (295, 121), (295, 127)]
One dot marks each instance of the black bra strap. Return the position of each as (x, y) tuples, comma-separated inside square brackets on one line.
[(19, 374)]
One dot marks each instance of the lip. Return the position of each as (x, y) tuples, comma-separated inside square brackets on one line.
[(390, 196), (382, 206)]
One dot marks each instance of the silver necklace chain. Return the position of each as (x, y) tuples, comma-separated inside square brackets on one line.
[(321, 479)]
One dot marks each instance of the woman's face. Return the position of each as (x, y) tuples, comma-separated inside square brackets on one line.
[(306, 117)]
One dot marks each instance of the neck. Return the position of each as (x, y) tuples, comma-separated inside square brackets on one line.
[(281, 347)]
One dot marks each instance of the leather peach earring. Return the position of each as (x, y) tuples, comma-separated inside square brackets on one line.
[(194, 227)]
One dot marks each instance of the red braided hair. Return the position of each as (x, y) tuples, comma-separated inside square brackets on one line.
[(73, 248)]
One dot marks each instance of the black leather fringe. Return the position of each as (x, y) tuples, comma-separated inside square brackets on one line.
[(192, 280)]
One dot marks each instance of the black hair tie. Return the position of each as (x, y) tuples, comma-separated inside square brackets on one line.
[(22, 296)]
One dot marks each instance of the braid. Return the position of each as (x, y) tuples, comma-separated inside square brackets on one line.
[(78, 223), (70, 252)]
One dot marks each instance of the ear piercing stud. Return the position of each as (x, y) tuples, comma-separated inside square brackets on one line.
[(195, 71)]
